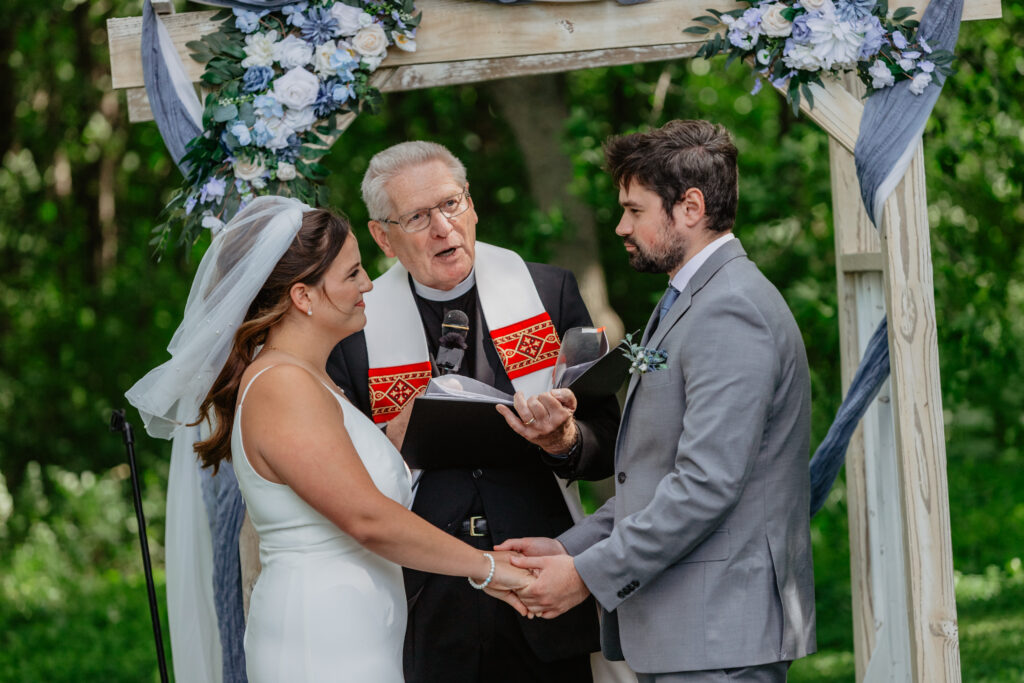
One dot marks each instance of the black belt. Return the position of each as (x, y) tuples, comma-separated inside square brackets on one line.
[(474, 526)]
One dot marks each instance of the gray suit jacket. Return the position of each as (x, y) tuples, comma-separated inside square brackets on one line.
[(702, 559)]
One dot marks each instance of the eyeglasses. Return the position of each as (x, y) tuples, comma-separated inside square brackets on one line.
[(417, 220)]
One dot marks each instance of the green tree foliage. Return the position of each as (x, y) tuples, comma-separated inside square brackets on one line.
[(86, 309)]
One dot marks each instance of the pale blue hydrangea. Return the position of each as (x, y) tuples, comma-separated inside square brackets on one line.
[(926, 66), (874, 35), (256, 78), (801, 32), (343, 64), (213, 189), (899, 40), (342, 92), (241, 133), (268, 107), (246, 21), (261, 134), (295, 14)]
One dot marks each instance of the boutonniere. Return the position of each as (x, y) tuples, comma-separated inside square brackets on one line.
[(642, 359)]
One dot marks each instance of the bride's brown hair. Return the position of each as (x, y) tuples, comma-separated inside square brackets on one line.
[(315, 247)]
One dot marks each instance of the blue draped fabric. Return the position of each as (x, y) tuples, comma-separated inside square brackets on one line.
[(226, 512), (829, 458)]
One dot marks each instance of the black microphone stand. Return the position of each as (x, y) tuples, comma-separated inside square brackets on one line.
[(118, 423)]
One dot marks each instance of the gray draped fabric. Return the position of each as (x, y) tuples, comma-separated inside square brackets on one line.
[(172, 116), (226, 511), (894, 117), (871, 374)]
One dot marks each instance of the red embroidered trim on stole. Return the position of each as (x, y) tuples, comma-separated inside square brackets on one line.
[(391, 388), (527, 346)]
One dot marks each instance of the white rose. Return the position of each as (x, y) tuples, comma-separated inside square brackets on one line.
[(259, 49), (801, 57), (815, 5), (773, 23), (297, 89), (349, 18), (279, 131), (292, 52), (920, 82), (322, 58), (285, 171), (299, 120), (881, 77), (371, 41), (249, 170)]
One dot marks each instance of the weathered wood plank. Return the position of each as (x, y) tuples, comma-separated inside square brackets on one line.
[(920, 439), (420, 76), (460, 30)]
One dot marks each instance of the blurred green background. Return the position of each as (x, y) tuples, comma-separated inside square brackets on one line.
[(86, 309)]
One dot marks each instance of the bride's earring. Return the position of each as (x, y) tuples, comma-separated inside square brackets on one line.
[(309, 311)]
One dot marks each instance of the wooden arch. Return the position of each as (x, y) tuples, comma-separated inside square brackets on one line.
[(904, 608)]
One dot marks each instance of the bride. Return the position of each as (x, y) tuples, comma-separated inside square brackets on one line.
[(327, 493)]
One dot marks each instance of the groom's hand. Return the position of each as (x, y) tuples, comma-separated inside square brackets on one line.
[(533, 546), (557, 588), (545, 420)]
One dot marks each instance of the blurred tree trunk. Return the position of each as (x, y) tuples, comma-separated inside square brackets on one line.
[(535, 108)]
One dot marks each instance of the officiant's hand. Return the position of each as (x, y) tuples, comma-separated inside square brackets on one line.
[(395, 430), (508, 579), (533, 546), (545, 419), (557, 587)]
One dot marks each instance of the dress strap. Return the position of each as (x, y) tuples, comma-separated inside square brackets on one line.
[(247, 386)]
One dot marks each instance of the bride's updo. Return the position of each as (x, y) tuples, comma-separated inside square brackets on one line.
[(315, 247)]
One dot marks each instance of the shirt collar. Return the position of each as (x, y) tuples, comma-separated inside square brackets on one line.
[(686, 273), (431, 294)]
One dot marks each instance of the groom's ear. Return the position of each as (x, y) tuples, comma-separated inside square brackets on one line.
[(690, 208)]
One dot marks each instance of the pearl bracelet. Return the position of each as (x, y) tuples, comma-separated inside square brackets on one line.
[(486, 582)]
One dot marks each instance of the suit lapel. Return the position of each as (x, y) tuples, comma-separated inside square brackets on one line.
[(653, 337)]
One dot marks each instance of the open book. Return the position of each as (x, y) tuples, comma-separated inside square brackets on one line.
[(455, 424)]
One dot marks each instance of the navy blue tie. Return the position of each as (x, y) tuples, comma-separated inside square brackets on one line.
[(671, 294)]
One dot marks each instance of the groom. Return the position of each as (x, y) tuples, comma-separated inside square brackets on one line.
[(701, 561)]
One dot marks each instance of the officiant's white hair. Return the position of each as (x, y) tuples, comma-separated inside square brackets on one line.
[(388, 163)]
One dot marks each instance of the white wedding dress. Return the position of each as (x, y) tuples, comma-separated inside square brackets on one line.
[(324, 608)]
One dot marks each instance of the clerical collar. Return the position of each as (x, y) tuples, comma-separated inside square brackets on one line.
[(431, 294)]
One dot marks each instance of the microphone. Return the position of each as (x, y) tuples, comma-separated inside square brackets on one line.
[(454, 330)]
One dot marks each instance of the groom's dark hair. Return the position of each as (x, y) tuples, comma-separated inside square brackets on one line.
[(672, 159)]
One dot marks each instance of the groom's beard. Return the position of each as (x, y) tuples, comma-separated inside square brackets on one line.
[(662, 257)]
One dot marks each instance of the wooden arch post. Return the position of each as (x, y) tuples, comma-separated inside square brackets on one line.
[(905, 625)]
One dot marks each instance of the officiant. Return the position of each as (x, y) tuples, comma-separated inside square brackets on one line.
[(423, 214)]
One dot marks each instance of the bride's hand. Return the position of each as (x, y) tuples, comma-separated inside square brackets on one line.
[(508, 579)]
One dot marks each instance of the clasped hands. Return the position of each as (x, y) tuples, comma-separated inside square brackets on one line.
[(537, 577)]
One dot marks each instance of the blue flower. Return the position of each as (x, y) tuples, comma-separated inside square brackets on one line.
[(294, 13), (852, 10), (261, 134), (190, 204), (319, 26), (801, 31), (342, 92), (753, 17), (292, 151), (343, 64), (246, 21), (899, 40), (325, 103), (398, 19), (241, 133), (268, 107), (256, 78), (758, 84), (874, 34), (213, 189)]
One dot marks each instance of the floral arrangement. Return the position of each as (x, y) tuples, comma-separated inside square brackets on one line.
[(279, 80), (642, 359), (792, 42)]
